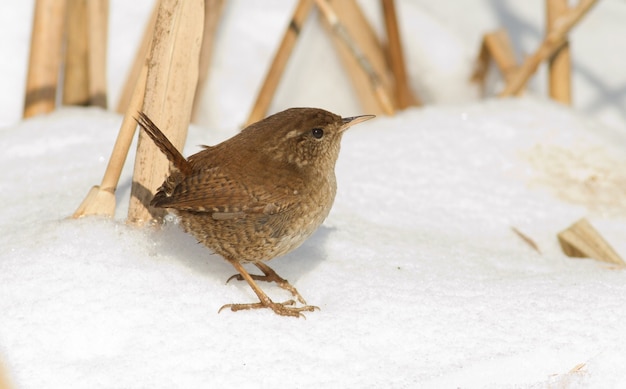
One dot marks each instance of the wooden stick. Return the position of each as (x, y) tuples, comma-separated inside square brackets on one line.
[(45, 57), (140, 58), (97, 16), (559, 65), (364, 60), (101, 199), (268, 89), (170, 87), (581, 240), (553, 41), (404, 96), (212, 13), (76, 75)]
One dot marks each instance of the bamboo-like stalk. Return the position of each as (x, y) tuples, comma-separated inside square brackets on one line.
[(101, 199), (559, 65), (98, 18), (268, 89), (404, 96), (76, 76), (552, 42), (356, 56), (170, 88), (45, 57)]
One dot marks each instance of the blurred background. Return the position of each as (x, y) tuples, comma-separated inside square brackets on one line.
[(441, 41)]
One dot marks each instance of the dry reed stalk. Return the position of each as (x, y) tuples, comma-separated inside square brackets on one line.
[(172, 77), (76, 75), (45, 57), (559, 65), (553, 41), (101, 199), (496, 45), (268, 89), (98, 18), (403, 94), (361, 52)]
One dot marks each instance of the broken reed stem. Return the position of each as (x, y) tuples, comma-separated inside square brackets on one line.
[(553, 41), (581, 240), (363, 62), (526, 239)]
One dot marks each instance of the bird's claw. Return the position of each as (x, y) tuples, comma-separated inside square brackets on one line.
[(281, 282), (286, 308)]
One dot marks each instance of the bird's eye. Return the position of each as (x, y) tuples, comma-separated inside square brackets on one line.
[(317, 133)]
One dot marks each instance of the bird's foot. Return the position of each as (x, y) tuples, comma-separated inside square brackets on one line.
[(270, 275), (286, 308)]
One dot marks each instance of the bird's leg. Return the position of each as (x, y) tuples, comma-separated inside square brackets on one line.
[(269, 275), (272, 276), (284, 309)]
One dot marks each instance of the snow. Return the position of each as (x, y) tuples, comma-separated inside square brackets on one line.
[(420, 280)]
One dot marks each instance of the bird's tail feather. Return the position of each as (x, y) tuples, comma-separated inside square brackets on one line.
[(164, 144)]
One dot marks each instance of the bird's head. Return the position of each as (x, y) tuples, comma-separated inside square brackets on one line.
[(303, 137)]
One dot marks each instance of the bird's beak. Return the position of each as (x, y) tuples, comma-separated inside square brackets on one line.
[(351, 121)]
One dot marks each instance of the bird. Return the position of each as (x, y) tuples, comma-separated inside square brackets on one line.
[(257, 195)]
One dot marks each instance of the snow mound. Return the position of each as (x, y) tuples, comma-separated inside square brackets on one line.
[(419, 277)]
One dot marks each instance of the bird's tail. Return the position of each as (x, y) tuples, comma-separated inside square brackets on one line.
[(164, 144)]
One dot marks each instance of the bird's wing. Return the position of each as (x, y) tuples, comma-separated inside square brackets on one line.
[(214, 192)]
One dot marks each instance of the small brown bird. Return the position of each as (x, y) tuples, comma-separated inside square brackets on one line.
[(259, 194)]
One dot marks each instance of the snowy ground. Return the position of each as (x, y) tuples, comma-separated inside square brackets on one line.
[(420, 280)]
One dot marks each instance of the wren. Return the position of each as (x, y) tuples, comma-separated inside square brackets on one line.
[(259, 194)]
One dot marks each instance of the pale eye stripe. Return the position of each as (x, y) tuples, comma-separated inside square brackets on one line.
[(292, 134)]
